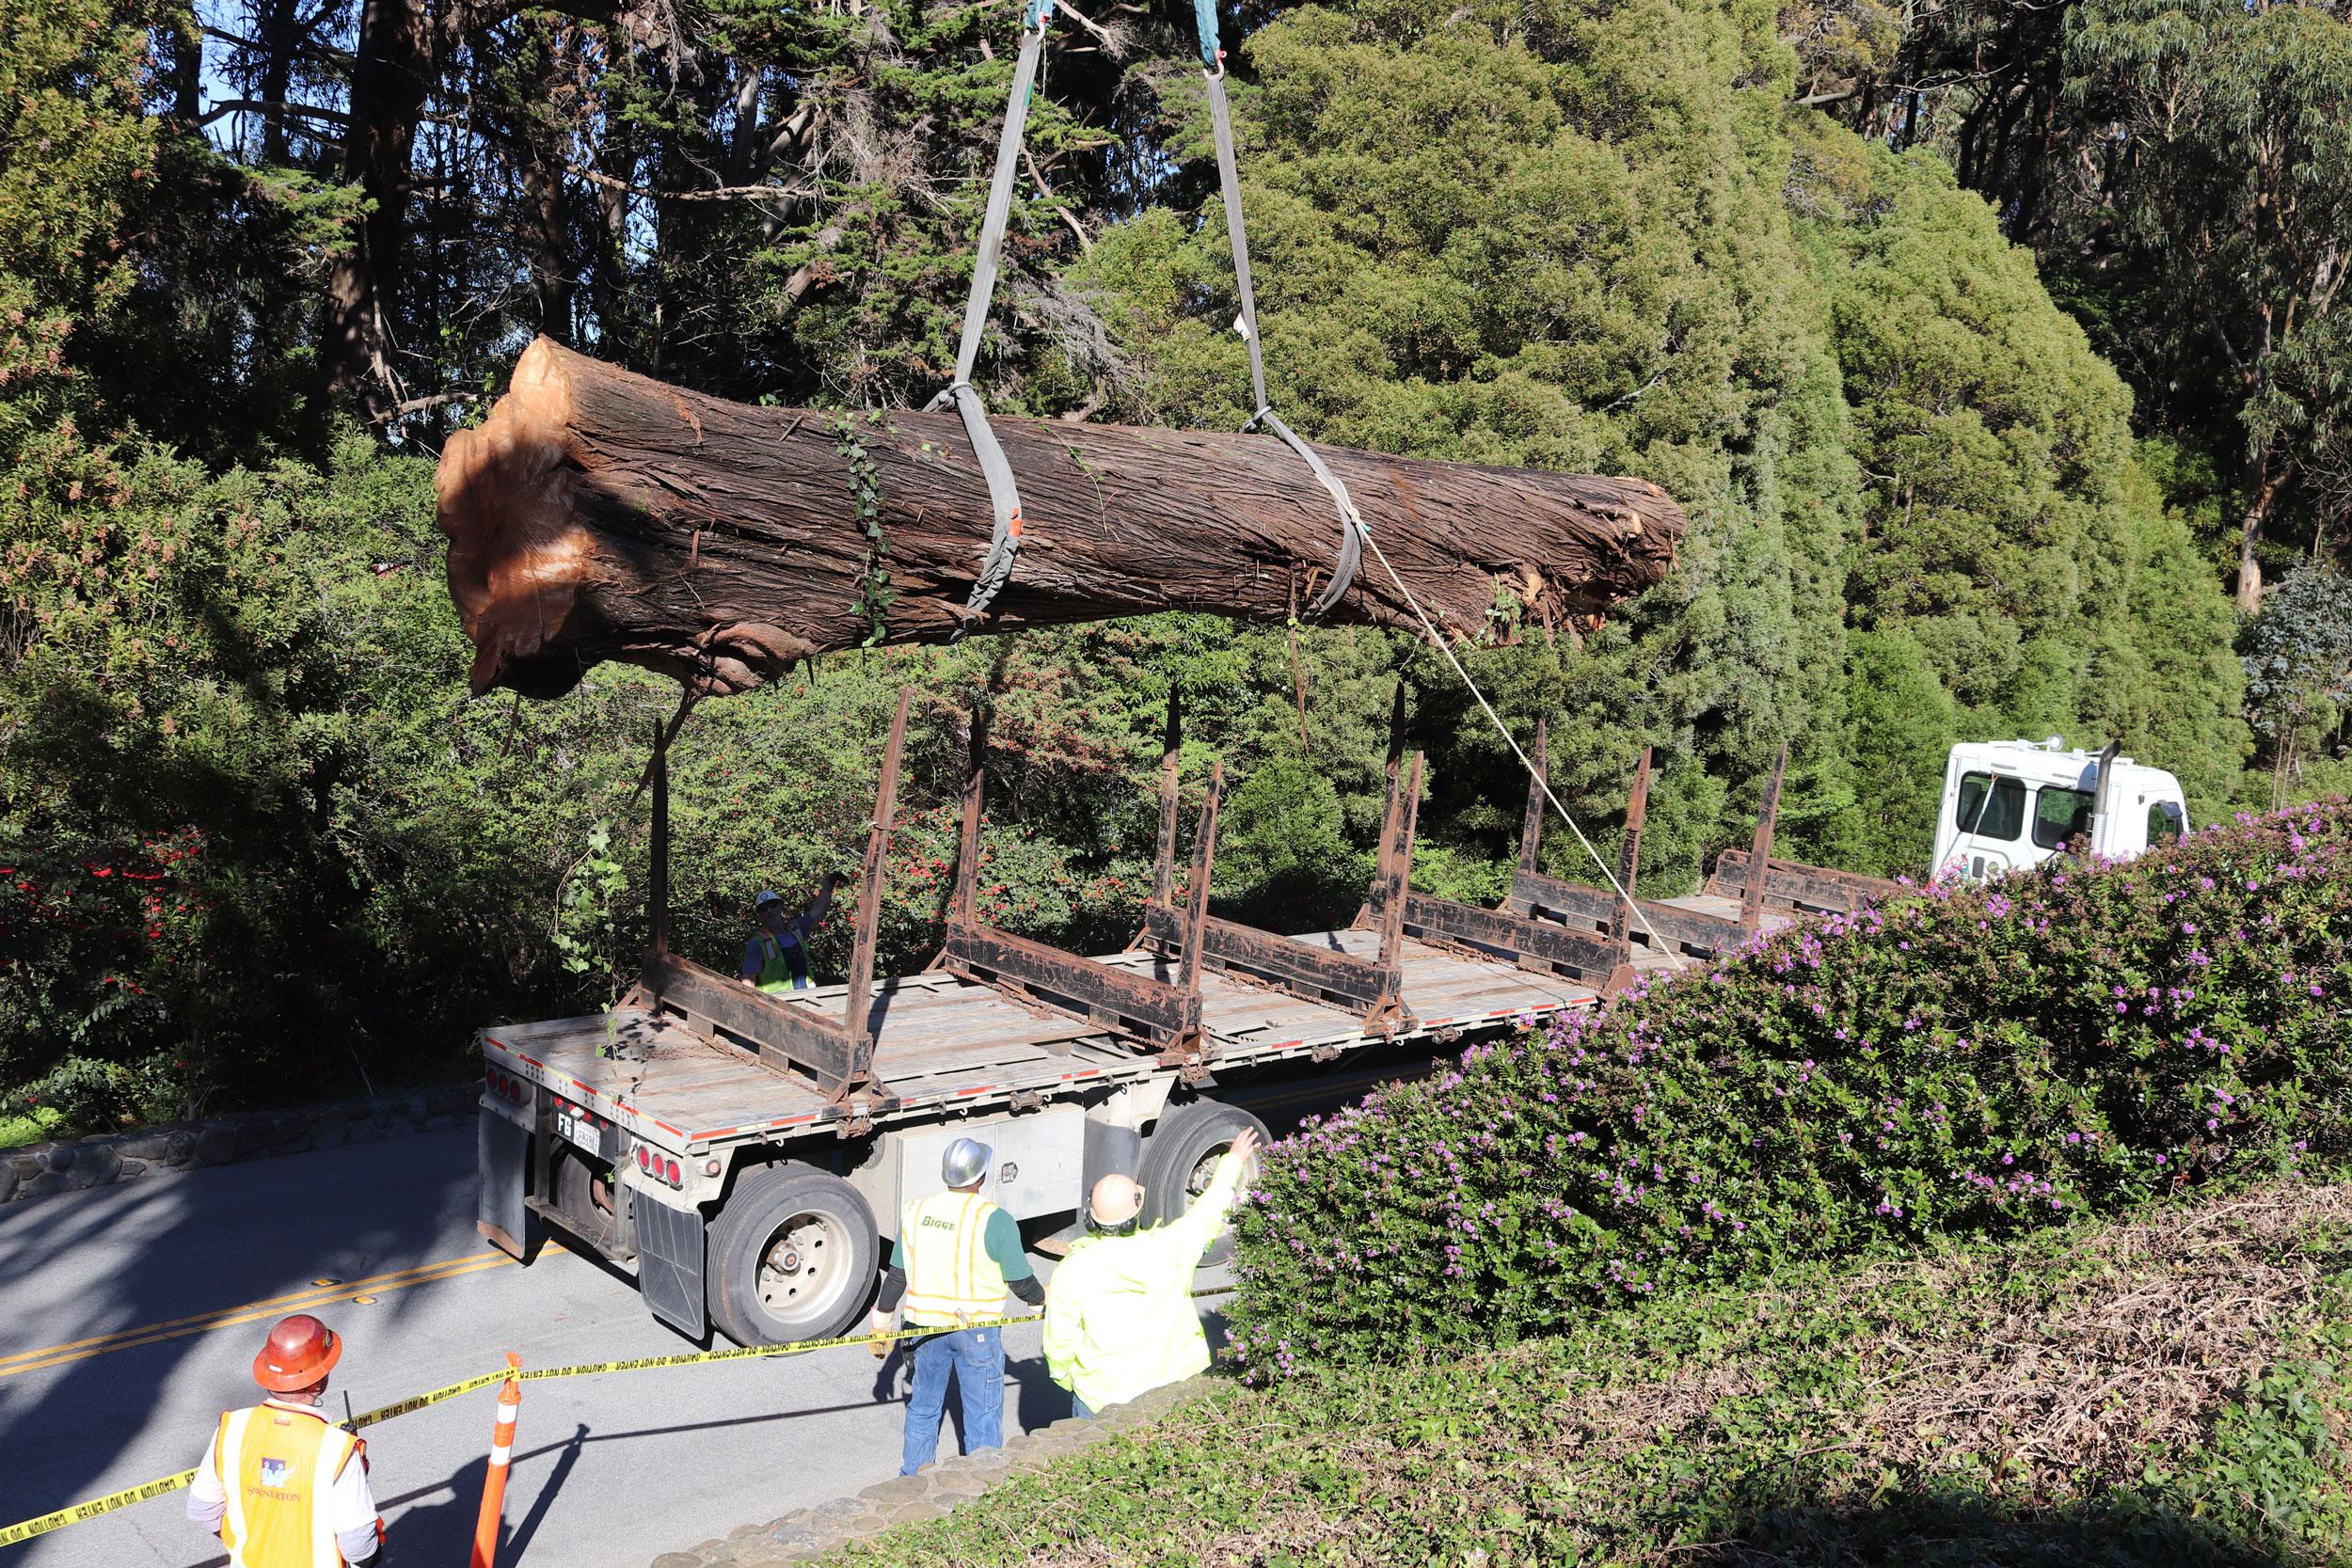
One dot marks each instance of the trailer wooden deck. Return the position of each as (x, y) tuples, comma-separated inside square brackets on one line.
[(941, 1041)]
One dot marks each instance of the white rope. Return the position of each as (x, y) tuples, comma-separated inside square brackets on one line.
[(1534, 777)]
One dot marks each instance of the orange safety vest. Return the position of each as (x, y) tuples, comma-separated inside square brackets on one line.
[(276, 1467)]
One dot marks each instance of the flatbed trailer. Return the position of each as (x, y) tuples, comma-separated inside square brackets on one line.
[(697, 1129), (747, 1156)]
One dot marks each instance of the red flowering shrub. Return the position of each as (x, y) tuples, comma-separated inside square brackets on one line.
[(1968, 1061)]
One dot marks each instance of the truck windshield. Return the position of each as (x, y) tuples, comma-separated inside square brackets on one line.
[(2058, 814), (1990, 808)]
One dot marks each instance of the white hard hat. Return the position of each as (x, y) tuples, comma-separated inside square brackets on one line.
[(965, 1162)]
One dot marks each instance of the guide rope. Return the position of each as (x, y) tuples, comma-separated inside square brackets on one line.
[(1354, 536), (1004, 494), (1633, 910)]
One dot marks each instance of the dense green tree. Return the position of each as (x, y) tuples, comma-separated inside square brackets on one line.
[(2297, 655), (250, 821), (1903, 724)]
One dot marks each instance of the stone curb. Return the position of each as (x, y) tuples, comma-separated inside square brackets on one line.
[(809, 1533), (39, 1170)]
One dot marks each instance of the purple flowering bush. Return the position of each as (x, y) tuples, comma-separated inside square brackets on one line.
[(1967, 1062)]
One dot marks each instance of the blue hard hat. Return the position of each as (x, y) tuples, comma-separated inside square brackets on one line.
[(767, 898)]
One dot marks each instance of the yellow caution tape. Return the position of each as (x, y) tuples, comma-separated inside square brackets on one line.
[(80, 1513), (93, 1509)]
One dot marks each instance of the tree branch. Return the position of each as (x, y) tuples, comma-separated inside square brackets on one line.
[(255, 106)]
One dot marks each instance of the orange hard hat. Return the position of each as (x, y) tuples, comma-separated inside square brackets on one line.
[(299, 1352)]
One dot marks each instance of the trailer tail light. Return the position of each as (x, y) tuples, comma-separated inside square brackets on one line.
[(673, 1176), (644, 1158), (507, 1086)]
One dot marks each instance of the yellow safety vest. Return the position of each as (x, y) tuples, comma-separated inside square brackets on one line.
[(950, 1277), (276, 1467), (1120, 1318)]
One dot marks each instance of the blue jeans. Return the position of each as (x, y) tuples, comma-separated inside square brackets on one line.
[(977, 1356), (1078, 1408)]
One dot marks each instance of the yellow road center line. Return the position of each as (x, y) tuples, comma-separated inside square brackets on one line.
[(292, 1298), (178, 1328)]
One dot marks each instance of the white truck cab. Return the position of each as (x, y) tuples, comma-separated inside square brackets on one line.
[(2011, 803)]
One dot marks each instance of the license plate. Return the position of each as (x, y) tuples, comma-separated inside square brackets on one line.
[(573, 1128)]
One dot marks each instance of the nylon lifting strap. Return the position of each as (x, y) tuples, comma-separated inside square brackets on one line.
[(1003, 495), (1229, 177)]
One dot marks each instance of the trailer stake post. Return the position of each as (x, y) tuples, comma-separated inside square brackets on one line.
[(1197, 895), (657, 878), (1397, 874), (1172, 763), (1630, 854), (857, 1005), (959, 906), (1760, 854), (1531, 826)]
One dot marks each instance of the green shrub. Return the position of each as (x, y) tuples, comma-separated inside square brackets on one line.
[(1967, 1061)]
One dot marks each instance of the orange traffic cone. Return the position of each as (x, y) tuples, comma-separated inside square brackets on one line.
[(486, 1529)]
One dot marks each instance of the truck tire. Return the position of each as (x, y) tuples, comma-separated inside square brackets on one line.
[(793, 1256), (591, 1205), (1181, 1155)]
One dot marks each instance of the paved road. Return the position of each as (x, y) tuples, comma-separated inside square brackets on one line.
[(609, 1471)]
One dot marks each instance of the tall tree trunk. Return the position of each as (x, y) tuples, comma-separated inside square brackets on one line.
[(601, 516), (185, 70), (390, 79), (546, 234), (2250, 570), (278, 38)]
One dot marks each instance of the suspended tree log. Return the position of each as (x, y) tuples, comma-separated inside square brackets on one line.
[(600, 514)]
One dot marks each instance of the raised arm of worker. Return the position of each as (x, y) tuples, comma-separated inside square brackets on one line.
[(820, 906), (1187, 1237)]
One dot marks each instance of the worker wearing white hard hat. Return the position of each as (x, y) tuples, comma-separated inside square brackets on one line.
[(956, 1256), (1119, 1319)]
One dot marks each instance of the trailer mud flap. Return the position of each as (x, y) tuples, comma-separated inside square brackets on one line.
[(502, 1150), (670, 1263)]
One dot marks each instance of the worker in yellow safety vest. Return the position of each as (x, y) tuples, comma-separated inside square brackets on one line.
[(280, 1484), (1119, 1319), (776, 957), (956, 1256)]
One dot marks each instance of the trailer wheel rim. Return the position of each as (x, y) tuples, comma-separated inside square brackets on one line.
[(804, 1269), (1205, 1171)]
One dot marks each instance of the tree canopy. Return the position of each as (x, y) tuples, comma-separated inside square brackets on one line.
[(1982, 345)]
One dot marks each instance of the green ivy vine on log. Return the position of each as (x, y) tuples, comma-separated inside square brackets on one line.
[(873, 583)]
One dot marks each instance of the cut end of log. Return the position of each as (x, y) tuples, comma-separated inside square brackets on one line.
[(518, 551)]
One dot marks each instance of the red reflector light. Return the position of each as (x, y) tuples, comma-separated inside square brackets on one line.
[(674, 1173), (644, 1161)]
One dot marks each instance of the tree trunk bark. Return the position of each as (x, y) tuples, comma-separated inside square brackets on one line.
[(2250, 570), (388, 85), (600, 514)]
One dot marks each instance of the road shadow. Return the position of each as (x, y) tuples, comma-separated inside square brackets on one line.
[(1032, 1398), (63, 1423), (1917, 1529)]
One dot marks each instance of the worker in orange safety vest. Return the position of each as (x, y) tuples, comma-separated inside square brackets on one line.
[(280, 1484)]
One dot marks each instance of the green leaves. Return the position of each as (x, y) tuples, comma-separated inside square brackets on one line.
[(873, 592), (1966, 1062)]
